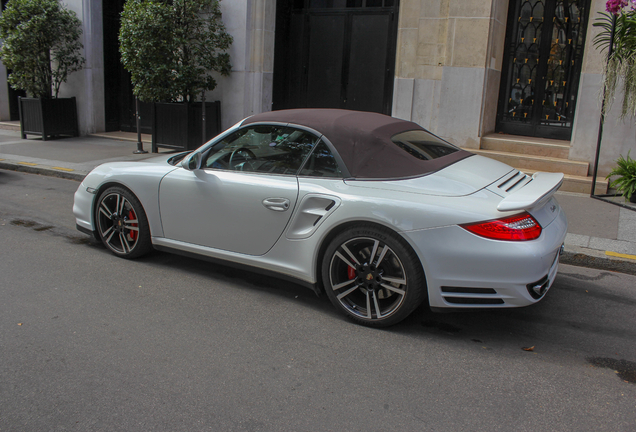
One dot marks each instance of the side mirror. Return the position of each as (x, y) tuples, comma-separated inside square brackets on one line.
[(192, 161)]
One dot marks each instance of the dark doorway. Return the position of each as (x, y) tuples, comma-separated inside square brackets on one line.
[(118, 96), (335, 54), (12, 94), (542, 67)]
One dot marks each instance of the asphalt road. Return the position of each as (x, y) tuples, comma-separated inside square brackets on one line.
[(91, 342)]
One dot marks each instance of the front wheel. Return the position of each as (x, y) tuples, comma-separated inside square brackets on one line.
[(122, 224), (373, 276)]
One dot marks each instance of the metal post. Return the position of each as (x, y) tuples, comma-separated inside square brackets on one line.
[(203, 131), (140, 144), (602, 121)]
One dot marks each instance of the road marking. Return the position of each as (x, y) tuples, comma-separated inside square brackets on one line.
[(620, 255), (63, 169), (27, 163)]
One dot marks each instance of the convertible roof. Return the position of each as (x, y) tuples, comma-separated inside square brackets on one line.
[(363, 140)]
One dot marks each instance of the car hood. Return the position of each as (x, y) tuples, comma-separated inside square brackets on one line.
[(464, 177)]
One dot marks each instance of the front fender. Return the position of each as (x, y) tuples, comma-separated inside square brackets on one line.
[(141, 178)]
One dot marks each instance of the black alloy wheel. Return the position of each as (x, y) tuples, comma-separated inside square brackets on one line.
[(373, 276), (122, 224)]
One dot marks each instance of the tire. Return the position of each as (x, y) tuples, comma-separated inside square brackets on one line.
[(373, 276), (122, 224)]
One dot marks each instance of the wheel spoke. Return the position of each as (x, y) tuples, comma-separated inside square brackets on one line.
[(378, 314), (394, 280), (339, 255), (123, 204), (347, 292), (394, 289), (130, 227), (111, 234), (343, 284), (369, 306), (124, 243), (382, 254), (351, 255), (376, 243), (105, 210)]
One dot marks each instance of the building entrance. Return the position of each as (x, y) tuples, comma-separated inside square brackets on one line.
[(542, 66), (335, 54), (118, 96)]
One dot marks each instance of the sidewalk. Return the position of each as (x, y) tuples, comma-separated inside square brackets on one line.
[(600, 235)]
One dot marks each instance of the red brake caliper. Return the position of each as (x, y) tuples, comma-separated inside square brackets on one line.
[(351, 273), (133, 234)]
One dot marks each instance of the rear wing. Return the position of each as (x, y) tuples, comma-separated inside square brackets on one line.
[(534, 193)]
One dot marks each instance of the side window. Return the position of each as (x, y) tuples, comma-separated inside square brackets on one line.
[(321, 163), (262, 149)]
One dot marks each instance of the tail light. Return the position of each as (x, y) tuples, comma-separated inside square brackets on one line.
[(519, 227)]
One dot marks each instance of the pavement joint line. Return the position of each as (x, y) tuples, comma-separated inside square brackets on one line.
[(27, 163), (620, 255)]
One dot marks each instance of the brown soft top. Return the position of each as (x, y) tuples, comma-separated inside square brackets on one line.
[(363, 141)]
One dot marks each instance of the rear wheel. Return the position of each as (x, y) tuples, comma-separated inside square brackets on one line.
[(373, 276), (122, 224)]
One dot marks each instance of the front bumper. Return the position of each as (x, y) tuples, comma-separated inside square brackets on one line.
[(83, 209)]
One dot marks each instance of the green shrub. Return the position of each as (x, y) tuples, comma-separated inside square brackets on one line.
[(626, 172)]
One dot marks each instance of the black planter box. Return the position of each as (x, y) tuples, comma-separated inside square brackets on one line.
[(48, 117), (178, 125)]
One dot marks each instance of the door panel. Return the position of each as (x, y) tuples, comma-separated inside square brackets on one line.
[(367, 64), (324, 84), (226, 210)]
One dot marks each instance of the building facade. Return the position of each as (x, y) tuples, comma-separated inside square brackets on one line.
[(464, 69)]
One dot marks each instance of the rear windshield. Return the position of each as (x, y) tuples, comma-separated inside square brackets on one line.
[(423, 145)]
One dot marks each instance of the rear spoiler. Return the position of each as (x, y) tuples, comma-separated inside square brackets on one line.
[(536, 192)]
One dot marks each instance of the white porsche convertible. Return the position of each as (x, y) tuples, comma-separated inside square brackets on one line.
[(376, 212)]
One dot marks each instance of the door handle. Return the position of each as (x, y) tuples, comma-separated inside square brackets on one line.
[(276, 204)]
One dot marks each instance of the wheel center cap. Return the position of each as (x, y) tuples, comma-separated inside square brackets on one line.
[(369, 276)]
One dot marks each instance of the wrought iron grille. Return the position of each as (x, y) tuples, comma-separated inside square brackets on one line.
[(542, 66)]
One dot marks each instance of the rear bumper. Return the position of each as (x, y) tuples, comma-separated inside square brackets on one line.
[(467, 271)]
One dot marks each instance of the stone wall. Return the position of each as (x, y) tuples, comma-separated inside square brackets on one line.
[(448, 66)]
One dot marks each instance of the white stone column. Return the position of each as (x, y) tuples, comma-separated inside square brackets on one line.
[(87, 85), (248, 90)]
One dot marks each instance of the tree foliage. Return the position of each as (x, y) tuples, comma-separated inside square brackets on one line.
[(619, 31), (171, 47), (41, 45)]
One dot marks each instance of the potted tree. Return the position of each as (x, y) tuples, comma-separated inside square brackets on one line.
[(171, 48), (41, 47)]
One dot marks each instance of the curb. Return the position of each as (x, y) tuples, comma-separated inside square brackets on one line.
[(43, 170), (582, 259)]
